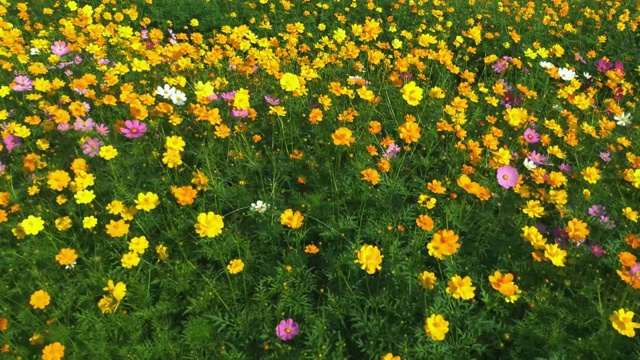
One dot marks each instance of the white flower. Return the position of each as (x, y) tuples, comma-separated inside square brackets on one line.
[(35, 51), (546, 64), (558, 107), (529, 164), (178, 97), (165, 92), (259, 206), (566, 74), (587, 75), (71, 266), (623, 120)]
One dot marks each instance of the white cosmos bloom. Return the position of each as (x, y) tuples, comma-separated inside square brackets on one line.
[(623, 120), (529, 164), (546, 64), (566, 74), (178, 98), (34, 51), (259, 206), (587, 75), (166, 92)]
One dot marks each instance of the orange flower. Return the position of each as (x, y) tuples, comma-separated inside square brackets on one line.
[(370, 175), (53, 351), (3, 324), (40, 299), (633, 240), (425, 222), (343, 136), (184, 195), (577, 230), (409, 132), (444, 243), (311, 249)]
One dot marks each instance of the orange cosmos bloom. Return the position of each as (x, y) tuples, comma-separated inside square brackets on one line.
[(409, 132), (444, 243), (343, 136)]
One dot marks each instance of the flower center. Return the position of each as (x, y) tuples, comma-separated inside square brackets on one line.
[(287, 330), (505, 177)]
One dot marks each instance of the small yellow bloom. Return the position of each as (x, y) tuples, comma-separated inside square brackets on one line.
[(436, 327), (370, 258), (622, 321), (235, 266), (147, 202)]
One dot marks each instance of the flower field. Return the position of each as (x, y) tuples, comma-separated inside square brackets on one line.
[(319, 179)]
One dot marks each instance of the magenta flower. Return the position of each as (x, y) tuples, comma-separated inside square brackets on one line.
[(507, 176), (239, 113), (228, 96), (287, 329), (102, 129), (596, 250), (83, 125), (635, 270), (531, 136), (59, 48), (133, 129), (538, 159)]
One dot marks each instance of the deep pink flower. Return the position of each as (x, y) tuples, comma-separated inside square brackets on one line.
[(133, 129), (11, 142), (287, 329), (507, 176)]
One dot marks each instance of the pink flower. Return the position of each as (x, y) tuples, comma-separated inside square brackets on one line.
[(22, 83), (59, 48), (287, 329), (507, 176), (531, 136), (133, 129)]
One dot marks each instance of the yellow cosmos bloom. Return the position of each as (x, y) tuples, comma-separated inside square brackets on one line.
[(289, 82), (436, 327), (412, 93), (460, 288), (623, 323), (290, 219), (209, 225), (370, 258)]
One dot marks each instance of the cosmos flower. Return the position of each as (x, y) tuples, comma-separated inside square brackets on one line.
[(287, 329)]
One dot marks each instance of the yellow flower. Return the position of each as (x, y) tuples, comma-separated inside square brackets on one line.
[(235, 266), (209, 225), (343, 136), (460, 288), (32, 225), (118, 291), (412, 93), (161, 250), (390, 356), (40, 299), (66, 257), (241, 99), (147, 202), (108, 152), (555, 254), (427, 279), (533, 209), (591, 174), (290, 219), (630, 214), (63, 223), (436, 327), (84, 196), (370, 258), (622, 321), (130, 259), (139, 244), (289, 82), (89, 222), (58, 180)]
